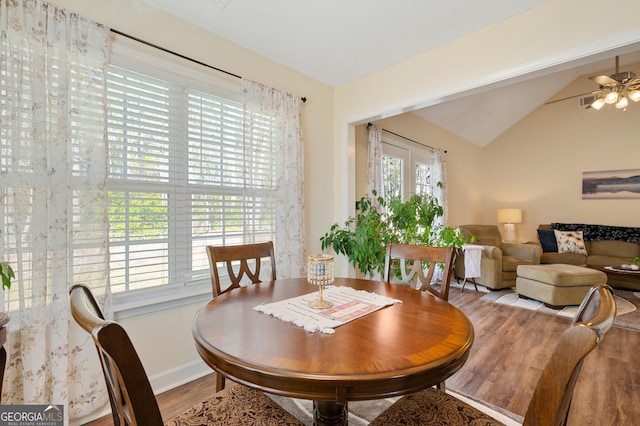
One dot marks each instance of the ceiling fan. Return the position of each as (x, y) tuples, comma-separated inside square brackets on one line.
[(616, 89)]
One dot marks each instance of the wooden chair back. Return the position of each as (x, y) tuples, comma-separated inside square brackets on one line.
[(130, 393), (237, 259), (4, 319), (592, 313), (418, 265), (552, 397)]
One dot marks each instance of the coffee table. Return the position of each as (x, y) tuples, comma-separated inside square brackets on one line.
[(620, 278)]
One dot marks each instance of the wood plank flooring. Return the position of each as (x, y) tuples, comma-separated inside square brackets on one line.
[(510, 350)]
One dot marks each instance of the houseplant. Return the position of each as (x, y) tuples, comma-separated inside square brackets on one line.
[(363, 238), (7, 274)]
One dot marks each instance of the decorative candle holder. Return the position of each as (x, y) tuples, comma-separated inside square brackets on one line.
[(320, 273)]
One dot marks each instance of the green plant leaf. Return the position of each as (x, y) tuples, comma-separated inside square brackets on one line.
[(7, 274), (364, 238)]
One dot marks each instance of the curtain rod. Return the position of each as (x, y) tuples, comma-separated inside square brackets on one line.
[(406, 138), (303, 98)]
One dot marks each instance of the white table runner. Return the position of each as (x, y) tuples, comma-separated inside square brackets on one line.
[(348, 304)]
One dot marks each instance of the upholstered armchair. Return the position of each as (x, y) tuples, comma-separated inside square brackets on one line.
[(499, 260)]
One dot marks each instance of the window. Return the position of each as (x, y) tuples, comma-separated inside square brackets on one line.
[(406, 168), (178, 172)]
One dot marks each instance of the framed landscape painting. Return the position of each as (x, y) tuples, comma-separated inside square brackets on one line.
[(611, 184)]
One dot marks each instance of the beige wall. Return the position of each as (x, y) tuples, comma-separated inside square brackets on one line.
[(537, 165)]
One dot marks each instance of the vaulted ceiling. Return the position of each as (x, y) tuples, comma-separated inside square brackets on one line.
[(481, 117), (339, 41)]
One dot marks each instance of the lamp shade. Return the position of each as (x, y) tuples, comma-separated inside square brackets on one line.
[(509, 215)]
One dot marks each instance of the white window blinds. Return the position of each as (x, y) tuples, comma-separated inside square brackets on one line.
[(182, 176)]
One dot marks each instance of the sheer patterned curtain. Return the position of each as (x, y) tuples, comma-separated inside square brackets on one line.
[(440, 175), (53, 168), (283, 110), (374, 168)]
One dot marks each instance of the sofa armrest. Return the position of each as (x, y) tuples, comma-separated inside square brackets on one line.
[(491, 267), (491, 252), (530, 252)]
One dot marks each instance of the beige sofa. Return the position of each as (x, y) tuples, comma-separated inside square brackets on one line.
[(600, 252), (499, 260)]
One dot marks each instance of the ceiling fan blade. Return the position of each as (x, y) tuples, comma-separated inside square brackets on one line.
[(604, 80), (633, 84), (574, 96)]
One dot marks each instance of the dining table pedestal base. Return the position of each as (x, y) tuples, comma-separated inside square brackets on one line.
[(327, 413)]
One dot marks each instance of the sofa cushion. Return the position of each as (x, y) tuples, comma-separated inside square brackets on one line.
[(614, 248), (511, 263), (570, 242), (486, 235), (569, 258), (547, 240), (604, 260)]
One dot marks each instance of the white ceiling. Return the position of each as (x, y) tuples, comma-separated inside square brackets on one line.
[(336, 41)]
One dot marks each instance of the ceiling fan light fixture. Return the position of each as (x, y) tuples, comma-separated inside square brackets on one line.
[(634, 95), (622, 103), (611, 98), (618, 89), (598, 103)]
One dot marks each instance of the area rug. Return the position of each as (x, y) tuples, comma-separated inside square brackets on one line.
[(361, 413), (627, 304)]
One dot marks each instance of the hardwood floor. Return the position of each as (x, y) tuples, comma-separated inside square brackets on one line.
[(510, 350), (512, 346)]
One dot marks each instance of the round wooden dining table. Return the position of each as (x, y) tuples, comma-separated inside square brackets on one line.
[(396, 350)]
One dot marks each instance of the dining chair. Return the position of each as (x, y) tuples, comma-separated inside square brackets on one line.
[(551, 398), (92, 304), (131, 396), (237, 260), (4, 319), (243, 262), (418, 264)]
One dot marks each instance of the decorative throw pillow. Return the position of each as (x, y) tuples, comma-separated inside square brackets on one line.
[(548, 240), (570, 242)]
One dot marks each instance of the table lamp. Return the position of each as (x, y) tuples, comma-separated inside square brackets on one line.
[(509, 217)]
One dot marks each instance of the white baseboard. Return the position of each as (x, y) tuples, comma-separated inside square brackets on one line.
[(160, 382), (180, 375)]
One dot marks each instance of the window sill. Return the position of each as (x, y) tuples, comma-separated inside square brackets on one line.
[(131, 304)]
